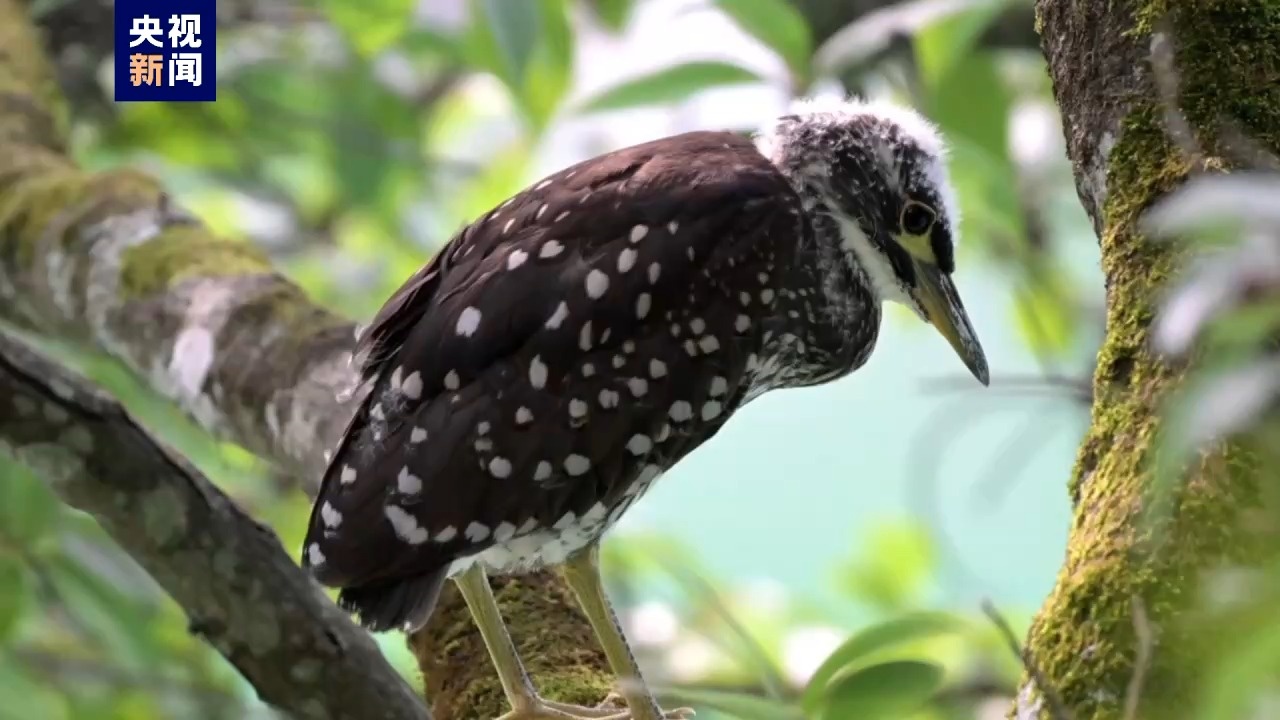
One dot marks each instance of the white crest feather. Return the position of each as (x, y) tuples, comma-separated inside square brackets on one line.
[(834, 110)]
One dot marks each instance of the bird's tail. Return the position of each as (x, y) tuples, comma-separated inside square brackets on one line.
[(402, 604)]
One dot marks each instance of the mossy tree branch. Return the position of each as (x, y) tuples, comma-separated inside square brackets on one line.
[(1227, 57), (108, 260), (241, 591)]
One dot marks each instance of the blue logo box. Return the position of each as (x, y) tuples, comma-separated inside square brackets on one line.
[(165, 51)]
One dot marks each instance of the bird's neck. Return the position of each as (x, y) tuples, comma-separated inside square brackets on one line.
[(826, 323)]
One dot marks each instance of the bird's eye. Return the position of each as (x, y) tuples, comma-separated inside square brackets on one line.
[(916, 218)]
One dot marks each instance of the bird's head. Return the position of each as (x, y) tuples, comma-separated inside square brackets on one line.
[(879, 172)]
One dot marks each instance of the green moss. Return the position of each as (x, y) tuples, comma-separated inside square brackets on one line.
[(27, 206), (552, 637), (1228, 55), (46, 206), (45, 201), (31, 106), (568, 665), (183, 252)]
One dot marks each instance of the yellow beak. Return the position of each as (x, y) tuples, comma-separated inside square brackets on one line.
[(942, 306)]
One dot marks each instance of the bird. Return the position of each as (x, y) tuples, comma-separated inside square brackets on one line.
[(525, 387)]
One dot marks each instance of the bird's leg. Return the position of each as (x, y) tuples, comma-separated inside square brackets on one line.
[(582, 572), (516, 685)]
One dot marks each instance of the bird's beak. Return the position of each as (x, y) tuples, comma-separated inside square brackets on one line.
[(937, 295)]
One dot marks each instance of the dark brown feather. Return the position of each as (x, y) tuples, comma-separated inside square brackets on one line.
[(473, 328)]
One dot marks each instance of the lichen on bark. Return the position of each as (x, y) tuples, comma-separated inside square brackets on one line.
[(1227, 56)]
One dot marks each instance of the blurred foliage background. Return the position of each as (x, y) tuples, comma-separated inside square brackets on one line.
[(842, 576)]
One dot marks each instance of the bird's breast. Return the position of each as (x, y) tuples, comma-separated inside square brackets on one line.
[(815, 337), (541, 547)]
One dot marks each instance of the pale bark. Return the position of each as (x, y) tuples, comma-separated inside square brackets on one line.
[(1085, 641), (108, 261)]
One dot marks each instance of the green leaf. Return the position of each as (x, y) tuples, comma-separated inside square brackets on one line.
[(1243, 328), (942, 45), (953, 73), (978, 133), (779, 26), (28, 509), (894, 568), (114, 620), (613, 13), (992, 220), (549, 71), (515, 27), (370, 26), (889, 690), (738, 705), (669, 85), (1045, 312), (870, 641), (506, 172), (426, 43), (529, 46), (25, 698), (14, 594), (1238, 681), (951, 103)]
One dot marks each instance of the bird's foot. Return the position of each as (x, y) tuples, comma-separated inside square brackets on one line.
[(551, 710), (621, 712), (539, 709), (616, 697)]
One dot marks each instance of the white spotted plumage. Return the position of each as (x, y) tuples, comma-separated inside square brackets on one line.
[(550, 249), (626, 260), (597, 284), (407, 483), (680, 411), (537, 373), (558, 317), (560, 360), (576, 464), (331, 517), (406, 525), (500, 467)]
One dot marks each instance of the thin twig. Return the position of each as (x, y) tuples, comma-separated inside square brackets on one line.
[(1165, 75), (771, 678), (1079, 389), (1057, 710), (1142, 661)]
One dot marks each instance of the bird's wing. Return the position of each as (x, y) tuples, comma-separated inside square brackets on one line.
[(595, 325)]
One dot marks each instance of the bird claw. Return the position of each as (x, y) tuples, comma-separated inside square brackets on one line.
[(548, 711), (618, 700), (542, 709), (560, 710)]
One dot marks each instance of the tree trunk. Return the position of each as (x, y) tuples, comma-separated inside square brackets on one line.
[(108, 261), (1084, 642)]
